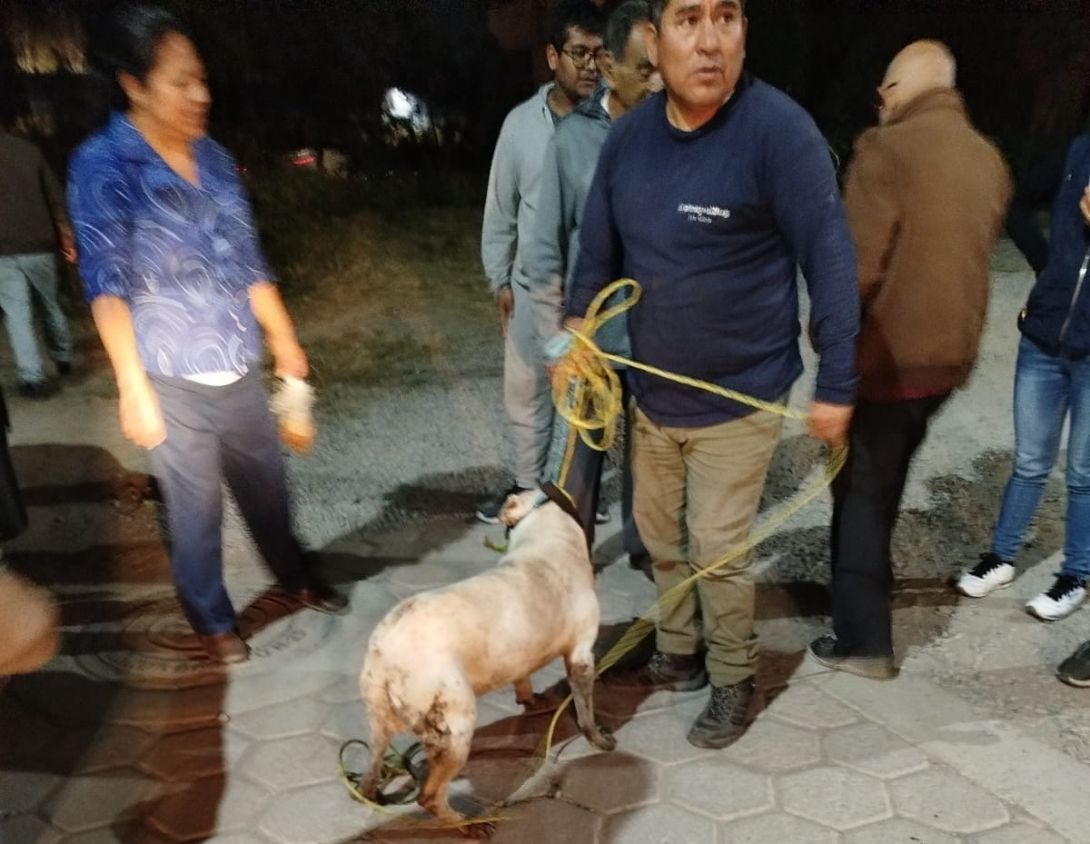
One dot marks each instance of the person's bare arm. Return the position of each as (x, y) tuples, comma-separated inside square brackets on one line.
[(138, 409), (288, 356)]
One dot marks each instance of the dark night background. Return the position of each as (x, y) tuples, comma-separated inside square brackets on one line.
[(294, 73)]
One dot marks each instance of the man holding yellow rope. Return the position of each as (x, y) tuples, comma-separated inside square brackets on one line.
[(711, 195)]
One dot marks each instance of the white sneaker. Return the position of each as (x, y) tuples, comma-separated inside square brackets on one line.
[(989, 574), (1058, 601)]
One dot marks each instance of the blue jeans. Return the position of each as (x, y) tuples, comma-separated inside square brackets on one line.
[(1046, 389), (19, 275)]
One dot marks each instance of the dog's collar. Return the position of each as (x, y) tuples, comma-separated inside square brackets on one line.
[(561, 498)]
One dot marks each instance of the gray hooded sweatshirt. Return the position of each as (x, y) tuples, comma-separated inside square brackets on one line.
[(511, 202), (549, 257)]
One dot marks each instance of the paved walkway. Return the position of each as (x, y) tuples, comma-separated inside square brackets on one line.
[(127, 738)]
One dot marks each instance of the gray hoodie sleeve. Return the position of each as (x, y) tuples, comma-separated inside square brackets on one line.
[(499, 228), (545, 257)]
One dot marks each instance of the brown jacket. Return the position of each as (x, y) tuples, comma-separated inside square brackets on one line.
[(925, 197)]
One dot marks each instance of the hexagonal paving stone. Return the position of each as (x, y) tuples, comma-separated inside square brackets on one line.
[(716, 788), (941, 799), (290, 762), (873, 750), (835, 797), (346, 721), (88, 802), (807, 706), (659, 824), (660, 737), (776, 828), (344, 690), (563, 821), (212, 805), (773, 746), (898, 830), (315, 814), (24, 791), (248, 692), (293, 718), (610, 782), (103, 748), (188, 756), (1019, 833), (27, 829)]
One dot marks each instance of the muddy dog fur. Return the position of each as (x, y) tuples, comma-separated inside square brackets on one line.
[(435, 652)]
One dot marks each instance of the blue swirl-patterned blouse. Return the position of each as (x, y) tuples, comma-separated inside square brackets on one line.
[(182, 257)]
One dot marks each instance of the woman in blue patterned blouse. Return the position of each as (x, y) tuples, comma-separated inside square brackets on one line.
[(180, 295)]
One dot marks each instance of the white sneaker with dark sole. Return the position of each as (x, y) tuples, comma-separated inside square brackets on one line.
[(990, 574), (1061, 599)]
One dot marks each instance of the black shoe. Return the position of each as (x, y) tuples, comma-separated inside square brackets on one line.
[(724, 718), (642, 562), (824, 651), (668, 672), (1075, 670), (323, 598), (64, 367), (36, 390), (602, 517), (489, 512)]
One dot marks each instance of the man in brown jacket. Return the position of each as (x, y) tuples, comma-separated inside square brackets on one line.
[(925, 198)]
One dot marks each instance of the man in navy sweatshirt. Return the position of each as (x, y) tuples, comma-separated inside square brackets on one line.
[(711, 195)]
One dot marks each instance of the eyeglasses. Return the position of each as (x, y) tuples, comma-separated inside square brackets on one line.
[(581, 56)]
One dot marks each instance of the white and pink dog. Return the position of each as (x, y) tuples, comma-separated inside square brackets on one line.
[(434, 653)]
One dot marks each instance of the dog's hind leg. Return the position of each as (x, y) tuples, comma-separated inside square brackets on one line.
[(447, 734), (375, 693), (580, 666)]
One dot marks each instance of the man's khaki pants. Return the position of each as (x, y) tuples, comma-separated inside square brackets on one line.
[(28, 625), (696, 495)]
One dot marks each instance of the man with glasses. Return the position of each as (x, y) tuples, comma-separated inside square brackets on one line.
[(575, 39), (925, 196), (570, 158), (711, 195)]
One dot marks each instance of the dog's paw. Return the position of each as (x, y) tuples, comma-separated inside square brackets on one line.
[(603, 739), (478, 830)]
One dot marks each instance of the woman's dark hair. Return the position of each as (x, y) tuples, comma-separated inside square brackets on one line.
[(128, 40)]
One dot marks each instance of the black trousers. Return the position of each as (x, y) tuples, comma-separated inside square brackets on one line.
[(866, 498), (218, 434), (578, 471)]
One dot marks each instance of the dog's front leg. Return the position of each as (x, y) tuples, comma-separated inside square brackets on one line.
[(580, 665), (524, 692)]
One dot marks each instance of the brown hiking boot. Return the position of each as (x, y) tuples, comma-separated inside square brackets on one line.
[(668, 672), (723, 720)]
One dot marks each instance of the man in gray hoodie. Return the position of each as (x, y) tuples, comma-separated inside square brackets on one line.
[(575, 42), (570, 158)]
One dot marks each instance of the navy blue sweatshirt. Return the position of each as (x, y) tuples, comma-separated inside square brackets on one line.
[(1057, 315), (713, 224)]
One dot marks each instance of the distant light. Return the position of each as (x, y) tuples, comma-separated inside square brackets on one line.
[(401, 106)]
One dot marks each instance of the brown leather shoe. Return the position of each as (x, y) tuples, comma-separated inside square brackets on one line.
[(323, 598), (227, 648)]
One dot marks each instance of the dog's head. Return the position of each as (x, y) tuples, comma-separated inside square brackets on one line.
[(517, 506)]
